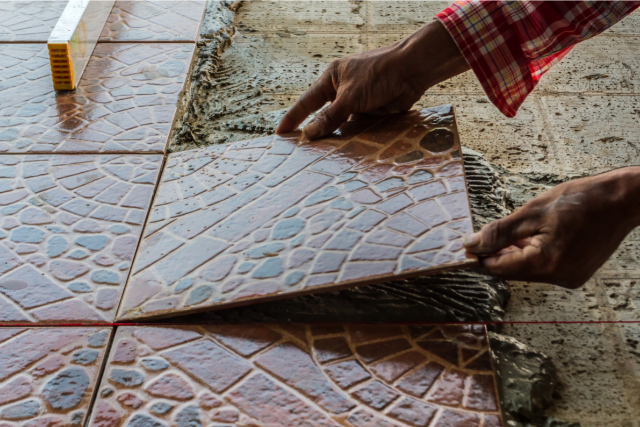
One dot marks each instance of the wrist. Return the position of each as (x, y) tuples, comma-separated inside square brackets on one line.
[(429, 56), (624, 193)]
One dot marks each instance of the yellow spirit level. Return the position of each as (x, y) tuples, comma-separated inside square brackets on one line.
[(73, 38)]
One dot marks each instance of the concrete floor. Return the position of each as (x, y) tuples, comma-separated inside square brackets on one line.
[(583, 119)]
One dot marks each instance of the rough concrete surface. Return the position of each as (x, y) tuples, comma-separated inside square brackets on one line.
[(581, 120)]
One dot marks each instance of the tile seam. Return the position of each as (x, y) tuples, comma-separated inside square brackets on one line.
[(101, 371), (142, 230), (159, 324)]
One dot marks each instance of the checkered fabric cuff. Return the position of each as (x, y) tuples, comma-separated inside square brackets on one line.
[(509, 45), (488, 43)]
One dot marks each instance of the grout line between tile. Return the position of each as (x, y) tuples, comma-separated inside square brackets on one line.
[(23, 42), (101, 371), (144, 226), (160, 324), (86, 153), (148, 41)]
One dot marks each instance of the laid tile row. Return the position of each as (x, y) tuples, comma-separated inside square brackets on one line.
[(69, 229), (125, 101), (281, 374), (137, 20)]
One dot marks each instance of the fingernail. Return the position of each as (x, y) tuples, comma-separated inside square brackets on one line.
[(312, 130), (471, 240)]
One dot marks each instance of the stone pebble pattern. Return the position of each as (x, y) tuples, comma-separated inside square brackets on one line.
[(280, 215), (125, 101), (32, 21), (154, 21), (69, 227), (48, 375), (298, 375)]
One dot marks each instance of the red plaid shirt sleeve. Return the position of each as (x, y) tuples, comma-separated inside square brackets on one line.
[(511, 44)]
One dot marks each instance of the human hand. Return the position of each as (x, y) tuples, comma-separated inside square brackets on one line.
[(380, 81), (563, 236)]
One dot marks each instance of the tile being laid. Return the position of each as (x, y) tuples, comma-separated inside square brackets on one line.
[(48, 375), (125, 101), (69, 226), (280, 216), (32, 21), (299, 375), (142, 20)]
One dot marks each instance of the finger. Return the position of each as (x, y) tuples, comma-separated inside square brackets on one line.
[(502, 233), (321, 92), (327, 120), (517, 264)]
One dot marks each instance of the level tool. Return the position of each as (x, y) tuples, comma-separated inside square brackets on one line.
[(72, 40)]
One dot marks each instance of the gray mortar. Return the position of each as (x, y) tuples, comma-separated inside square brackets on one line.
[(527, 381), (223, 103)]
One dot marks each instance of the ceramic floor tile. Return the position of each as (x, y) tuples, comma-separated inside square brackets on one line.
[(125, 102), (278, 216), (48, 375), (28, 21), (299, 375), (69, 226), (140, 20)]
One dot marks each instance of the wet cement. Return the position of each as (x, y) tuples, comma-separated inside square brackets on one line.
[(527, 381)]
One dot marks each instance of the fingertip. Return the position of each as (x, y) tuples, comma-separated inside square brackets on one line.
[(472, 242), (285, 125), (312, 130)]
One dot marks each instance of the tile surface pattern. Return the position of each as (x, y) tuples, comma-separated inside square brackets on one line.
[(296, 375), (154, 20), (277, 215), (125, 101), (48, 376), (69, 226), (28, 21)]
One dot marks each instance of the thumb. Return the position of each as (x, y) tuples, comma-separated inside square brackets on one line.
[(500, 234), (327, 120)]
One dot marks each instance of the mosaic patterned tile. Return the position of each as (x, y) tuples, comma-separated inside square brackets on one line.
[(69, 227), (278, 216), (125, 101), (299, 375), (48, 375), (141, 20), (28, 21)]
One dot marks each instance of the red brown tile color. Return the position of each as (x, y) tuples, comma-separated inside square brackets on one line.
[(140, 20), (269, 375), (279, 216), (48, 375), (125, 101), (69, 227), (32, 21)]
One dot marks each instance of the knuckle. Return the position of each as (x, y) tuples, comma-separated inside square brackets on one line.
[(322, 119), (334, 66), (330, 114), (495, 231)]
